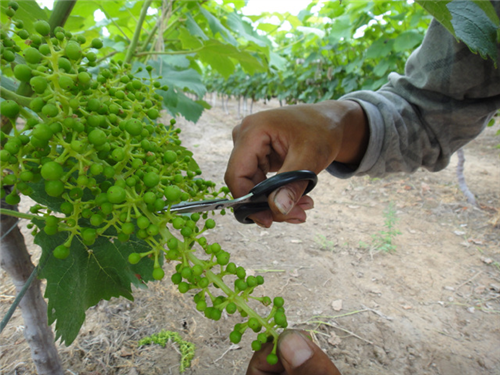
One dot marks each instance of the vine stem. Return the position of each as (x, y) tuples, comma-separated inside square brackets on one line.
[(9, 95), (137, 33), (6, 211), (170, 52)]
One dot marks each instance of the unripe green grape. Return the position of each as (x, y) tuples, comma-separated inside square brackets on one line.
[(183, 287), (109, 171), (73, 50), (12, 199), (142, 234), (61, 252), (55, 127), (4, 155), (64, 64), (37, 104), (77, 146), (66, 83), (223, 258), (96, 43), (231, 268), (143, 222), (8, 55), (107, 208), (54, 188), (118, 154), (50, 110), (176, 278), (278, 301), (151, 179), (254, 324), (149, 197), (186, 232), (201, 305), (172, 194), (42, 27), (82, 180), (133, 127), (52, 171), (96, 169), (96, 220), (197, 270), (44, 49), (241, 273), (91, 56), (32, 55), (10, 179), (66, 208), (153, 230), (203, 283), (84, 77), (231, 308), (39, 84), (134, 258), (158, 274), (86, 213), (235, 337), (9, 108), (240, 284), (50, 230), (252, 281), (22, 72), (210, 224), (256, 345), (128, 228), (88, 236)]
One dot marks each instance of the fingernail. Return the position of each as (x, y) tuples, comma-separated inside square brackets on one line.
[(294, 349), (295, 221), (284, 200)]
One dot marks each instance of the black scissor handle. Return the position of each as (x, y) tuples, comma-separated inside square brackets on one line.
[(262, 190)]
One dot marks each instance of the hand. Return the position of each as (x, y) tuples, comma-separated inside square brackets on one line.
[(297, 355), (308, 136)]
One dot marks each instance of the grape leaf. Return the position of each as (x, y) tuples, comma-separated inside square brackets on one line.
[(473, 22), (407, 40), (88, 275), (29, 12)]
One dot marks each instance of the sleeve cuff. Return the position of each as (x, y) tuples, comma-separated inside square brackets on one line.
[(376, 127)]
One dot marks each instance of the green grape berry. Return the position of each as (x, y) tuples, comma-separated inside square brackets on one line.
[(42, 27), (158, 274), (134, 258), (52, 171), (9, 108), (61, 252)]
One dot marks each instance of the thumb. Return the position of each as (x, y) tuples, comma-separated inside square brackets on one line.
[(300, 356)]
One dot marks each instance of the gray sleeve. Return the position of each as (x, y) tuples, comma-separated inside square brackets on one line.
[(419, 119)]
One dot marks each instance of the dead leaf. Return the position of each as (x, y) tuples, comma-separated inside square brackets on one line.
[(337, 305), (487, 260), (334, 339)]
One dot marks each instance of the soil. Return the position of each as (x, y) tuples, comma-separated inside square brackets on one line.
[(429, 306)]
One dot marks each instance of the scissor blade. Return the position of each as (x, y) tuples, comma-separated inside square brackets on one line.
[(208, 205)]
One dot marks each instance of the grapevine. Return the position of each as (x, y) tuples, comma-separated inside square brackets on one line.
[(93, 153)]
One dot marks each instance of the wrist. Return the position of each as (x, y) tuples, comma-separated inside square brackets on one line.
[(355, 132)]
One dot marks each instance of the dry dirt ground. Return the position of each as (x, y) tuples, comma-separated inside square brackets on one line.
[(432, 306)]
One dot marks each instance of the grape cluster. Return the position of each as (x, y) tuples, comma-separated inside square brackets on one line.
[(92, 143)]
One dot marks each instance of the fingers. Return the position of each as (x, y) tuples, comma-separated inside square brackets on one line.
[(258, 364), (297, 355), (300, 356)]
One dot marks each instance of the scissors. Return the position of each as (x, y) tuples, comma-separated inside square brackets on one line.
[(255, 201)]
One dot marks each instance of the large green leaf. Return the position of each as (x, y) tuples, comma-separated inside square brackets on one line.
[(407, 40), (217, 27), (88, 275), (29, 12), (475, 28), (473, 22)]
